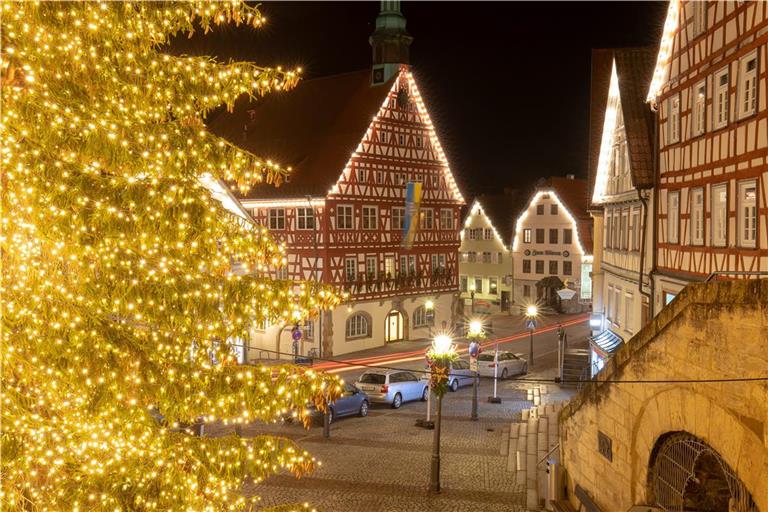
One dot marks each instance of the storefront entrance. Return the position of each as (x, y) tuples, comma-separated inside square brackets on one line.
[(393, 329)]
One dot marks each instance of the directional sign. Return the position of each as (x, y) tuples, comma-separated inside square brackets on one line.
[(530, 323)]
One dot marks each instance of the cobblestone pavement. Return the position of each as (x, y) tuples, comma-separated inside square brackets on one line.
[(382, 462)]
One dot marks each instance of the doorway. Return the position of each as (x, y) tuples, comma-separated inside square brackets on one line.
[(393, 328), (504, 301)]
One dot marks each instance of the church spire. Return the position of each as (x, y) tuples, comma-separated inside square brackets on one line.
[(390, 42)]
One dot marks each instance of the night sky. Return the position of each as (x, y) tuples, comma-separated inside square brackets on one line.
[(506, 84)]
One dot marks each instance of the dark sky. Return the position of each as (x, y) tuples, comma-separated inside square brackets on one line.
[(506, 84)]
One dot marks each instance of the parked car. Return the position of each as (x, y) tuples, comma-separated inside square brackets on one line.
[(393, 386), (509, 364), (460, 374), (352, 401)]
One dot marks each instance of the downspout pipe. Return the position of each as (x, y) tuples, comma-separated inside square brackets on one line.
[(644, 202), (655, 216)]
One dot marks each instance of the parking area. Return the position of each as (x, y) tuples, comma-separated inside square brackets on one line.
[(381, 462)]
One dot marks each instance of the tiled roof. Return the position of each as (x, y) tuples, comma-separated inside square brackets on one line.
[(314, 128), (575, 194)]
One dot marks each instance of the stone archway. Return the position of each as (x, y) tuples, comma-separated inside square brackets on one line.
[(681, 410)]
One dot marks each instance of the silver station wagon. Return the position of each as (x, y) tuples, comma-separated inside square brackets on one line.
[(393, 386)]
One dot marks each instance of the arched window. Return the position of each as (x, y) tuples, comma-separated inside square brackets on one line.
[(420, 317), (358, 326)]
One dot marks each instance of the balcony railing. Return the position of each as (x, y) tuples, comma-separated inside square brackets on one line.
[(401, 283)]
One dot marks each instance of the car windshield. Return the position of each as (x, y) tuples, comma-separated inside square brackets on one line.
[(373, 378), (485, 357)]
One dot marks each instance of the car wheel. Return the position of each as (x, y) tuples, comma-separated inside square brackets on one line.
[(455, 385), (504, 374), (397, 401), (425, 394), (364, 409)]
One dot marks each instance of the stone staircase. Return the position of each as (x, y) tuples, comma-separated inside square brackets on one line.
[(529, 441), (575, 364)]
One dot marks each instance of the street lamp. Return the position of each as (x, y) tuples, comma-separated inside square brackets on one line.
[(475, 334), (531, 313), (441, 354), (472, 296)]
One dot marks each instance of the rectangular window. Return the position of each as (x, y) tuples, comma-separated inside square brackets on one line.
[(697, 216), (486, 257), (720, 108), (309, 329), (371, 267), (472, 256), (699, 18), (567, 268), (526, 290), (411, 264), (568, 236), (539, 209), (370, 217), (553, 209), (636, 229), (609, 304), (403, 264), (673, 120), (479, 284), (553, 268), (748, 85), (699, 122), (487, 234), (433, 259), (305, 218), (526, 266), (389, 267), (493, 286), (463, 283), (747, 217), (539, 266), (616, 306), (539, 235), (615, 235), (398, 217), (344, 217), (427, 218), (446, 218), (277, 218), (629, 304), (608, 230), (552, 236), (362, 175), (441, 261), (719, 214), (527, 235), (379, 177), (673, 217), (625, 230), (350, 269)]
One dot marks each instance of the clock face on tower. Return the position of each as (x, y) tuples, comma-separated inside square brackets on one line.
[(402, 98)]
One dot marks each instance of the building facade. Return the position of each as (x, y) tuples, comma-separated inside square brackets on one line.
[(343, 212), (709, 87), (552, 244), (485, 261), (622, 199)]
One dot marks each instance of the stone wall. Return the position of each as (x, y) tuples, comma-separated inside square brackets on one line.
[(712, 330)]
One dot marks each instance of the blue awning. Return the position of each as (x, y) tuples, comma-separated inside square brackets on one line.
[(606, 343)]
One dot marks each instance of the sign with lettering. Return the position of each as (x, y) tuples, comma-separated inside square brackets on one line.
[(547, 253)]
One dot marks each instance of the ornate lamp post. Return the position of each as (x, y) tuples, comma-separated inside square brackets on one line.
[(531, 313), (472, 296), (441, 354), (475, 334)]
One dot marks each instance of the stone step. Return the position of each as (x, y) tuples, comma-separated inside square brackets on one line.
[(504, 448)]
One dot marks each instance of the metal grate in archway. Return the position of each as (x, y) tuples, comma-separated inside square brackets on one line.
[(687, 475)]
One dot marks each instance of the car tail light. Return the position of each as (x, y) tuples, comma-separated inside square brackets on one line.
[(384, 388)]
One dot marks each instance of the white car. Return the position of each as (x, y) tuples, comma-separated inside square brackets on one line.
[(392, 386), (509, 364)]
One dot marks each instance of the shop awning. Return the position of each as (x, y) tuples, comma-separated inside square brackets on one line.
[(606, 343)]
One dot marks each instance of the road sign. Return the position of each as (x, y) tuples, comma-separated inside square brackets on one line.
[(473, 364), (474, 349), (296, 334), (530, 323)]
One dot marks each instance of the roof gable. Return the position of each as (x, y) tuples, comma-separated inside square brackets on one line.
[(501, 210)]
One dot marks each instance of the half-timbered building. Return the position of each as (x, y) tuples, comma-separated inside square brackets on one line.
[(552, 245), (709, 87), (622, 178), (354, 142)]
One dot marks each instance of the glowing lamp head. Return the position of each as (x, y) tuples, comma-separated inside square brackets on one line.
[(472, 287), (349, 309), (429, 305), (532, 310), (475, 327), (442, 345)]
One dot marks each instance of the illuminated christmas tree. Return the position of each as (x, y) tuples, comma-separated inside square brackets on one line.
[(123, 278)]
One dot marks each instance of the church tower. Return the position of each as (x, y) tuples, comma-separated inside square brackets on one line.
[(390, 42)]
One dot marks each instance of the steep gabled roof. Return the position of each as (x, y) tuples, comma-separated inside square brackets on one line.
[(502, 210), (574, 194), (313, 128), (621, 76)]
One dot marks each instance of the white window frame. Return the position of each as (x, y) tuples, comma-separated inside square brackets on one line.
[(636, 229), (398, 217), (493, 286), (609, 304), (747, 93), (697, 216), (441, 261), (389, 266), (629, 304), (527, 235), (699, 18), (344, 213), (721, 99), (487, 234), (362, 175), (370, 217), (305, 218), (487, 257), (356, 326), (617, 306), (719, 215), (350, 269), (699, 113), (420, 317), (427, 218), (276, 218), (747, 217), (412, 264), (446, 218), (673, 119), (673, 217), (371, 266), (624, 230)]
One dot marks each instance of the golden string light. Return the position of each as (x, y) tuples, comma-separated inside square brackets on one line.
[(119, 289)]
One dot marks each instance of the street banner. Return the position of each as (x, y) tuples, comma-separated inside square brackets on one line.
[(411, 220)]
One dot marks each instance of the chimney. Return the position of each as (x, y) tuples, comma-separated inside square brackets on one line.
[(390, 42)]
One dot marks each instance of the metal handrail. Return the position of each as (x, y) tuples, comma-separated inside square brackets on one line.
[(548, 454), (735, 273)]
